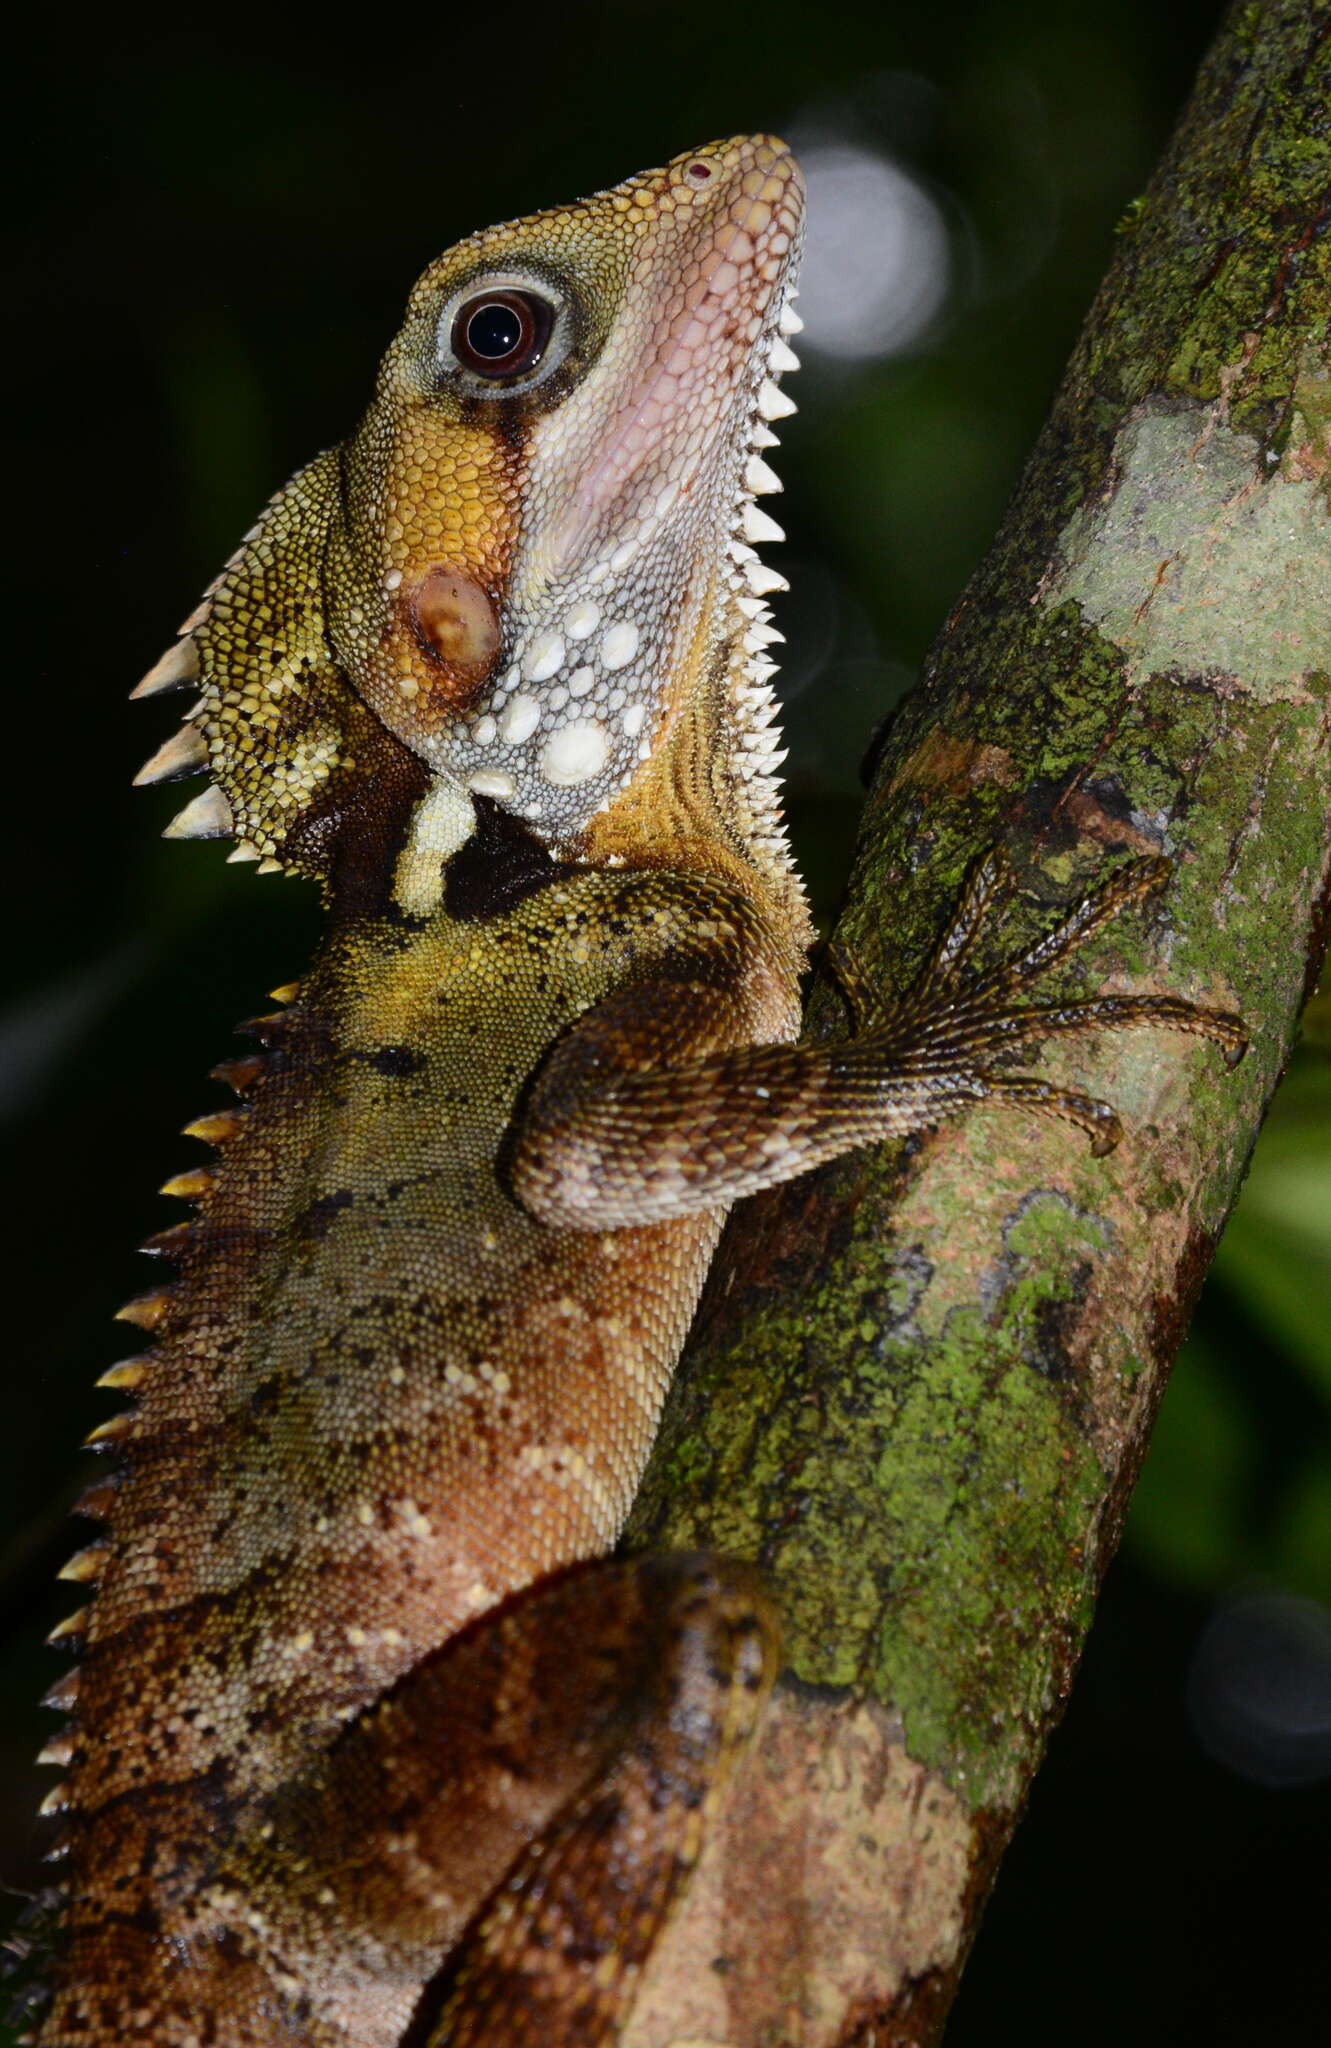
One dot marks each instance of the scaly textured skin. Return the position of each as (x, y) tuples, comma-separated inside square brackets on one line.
[(367, 1748)]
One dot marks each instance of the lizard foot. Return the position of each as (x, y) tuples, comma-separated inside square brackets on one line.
[(954, 1027)]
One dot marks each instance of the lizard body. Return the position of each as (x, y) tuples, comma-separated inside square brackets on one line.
[(366, 1746)]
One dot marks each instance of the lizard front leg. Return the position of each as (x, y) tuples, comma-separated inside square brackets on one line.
[(621, 1128)]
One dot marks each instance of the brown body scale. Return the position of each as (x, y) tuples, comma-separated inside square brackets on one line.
[(384, 1396)]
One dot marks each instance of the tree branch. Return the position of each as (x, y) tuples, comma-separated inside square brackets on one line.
[(921, 1386)]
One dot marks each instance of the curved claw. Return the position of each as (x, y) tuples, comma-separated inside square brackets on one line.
[(1101, 1124), (1235, 1050)]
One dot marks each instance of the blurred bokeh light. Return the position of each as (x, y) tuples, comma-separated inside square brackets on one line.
[(1259, 1688), (877, 264)]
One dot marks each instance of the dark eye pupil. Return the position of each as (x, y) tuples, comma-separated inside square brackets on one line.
[(502, 334), (494, 330)]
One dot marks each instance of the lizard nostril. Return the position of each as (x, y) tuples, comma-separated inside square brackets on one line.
[(698, 174)]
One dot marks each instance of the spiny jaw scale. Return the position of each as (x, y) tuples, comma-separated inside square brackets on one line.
[(755, 750), (640, 483)]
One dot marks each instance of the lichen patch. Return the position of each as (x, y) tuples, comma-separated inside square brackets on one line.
[(1199, 563)]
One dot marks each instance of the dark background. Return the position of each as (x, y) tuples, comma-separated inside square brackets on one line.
[(216, 230)]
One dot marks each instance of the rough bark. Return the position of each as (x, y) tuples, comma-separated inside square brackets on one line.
[(921, 1387)]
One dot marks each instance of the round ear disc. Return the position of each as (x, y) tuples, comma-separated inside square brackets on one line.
[(457, 620)]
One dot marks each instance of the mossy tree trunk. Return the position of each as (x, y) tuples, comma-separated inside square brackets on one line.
[(922, 1383)]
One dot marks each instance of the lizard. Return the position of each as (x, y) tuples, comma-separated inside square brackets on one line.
[(371, 1739)]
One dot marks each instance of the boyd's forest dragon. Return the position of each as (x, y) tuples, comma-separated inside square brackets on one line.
[(370, 1742)]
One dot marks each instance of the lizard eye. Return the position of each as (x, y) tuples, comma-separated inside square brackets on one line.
[(502, 334)]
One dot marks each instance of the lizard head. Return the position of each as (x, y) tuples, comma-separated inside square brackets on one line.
[(534, 563)]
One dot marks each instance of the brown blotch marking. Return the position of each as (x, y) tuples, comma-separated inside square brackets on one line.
[(498, 867), (395, 1062), (356, 829), (1101, 812), (955, 764), (318, 1217)]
